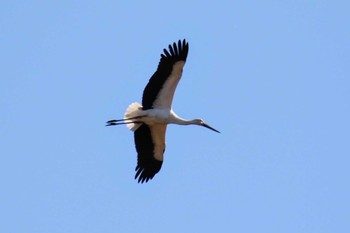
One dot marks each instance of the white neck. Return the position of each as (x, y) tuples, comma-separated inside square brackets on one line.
[(174, 119)]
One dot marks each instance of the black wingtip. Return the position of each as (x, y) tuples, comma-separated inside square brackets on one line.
[(177, 51), (146, 172)]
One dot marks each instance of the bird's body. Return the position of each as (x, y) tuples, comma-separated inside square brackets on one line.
[(159, 116), (149, 120)]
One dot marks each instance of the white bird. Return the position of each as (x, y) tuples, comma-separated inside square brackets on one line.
[(149, 120)]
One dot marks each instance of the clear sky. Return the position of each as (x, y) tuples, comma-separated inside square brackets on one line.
[(272, 76)]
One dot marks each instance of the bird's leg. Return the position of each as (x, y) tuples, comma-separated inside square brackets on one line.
[(131, 118), (125, 121)]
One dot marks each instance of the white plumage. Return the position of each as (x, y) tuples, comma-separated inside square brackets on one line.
[(134, 110)]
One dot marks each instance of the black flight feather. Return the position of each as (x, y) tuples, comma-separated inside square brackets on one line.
[(165, 66)]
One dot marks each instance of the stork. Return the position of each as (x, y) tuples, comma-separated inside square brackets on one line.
[(149, 120)]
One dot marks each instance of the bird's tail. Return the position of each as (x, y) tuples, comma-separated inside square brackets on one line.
[(134, 110)]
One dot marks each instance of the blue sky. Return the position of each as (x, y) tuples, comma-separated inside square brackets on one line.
[(272, 76)]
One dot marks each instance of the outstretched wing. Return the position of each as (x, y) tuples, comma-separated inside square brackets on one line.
[(160, 89), (150, 147)]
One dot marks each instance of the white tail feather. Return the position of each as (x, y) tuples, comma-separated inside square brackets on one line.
[(134, 110)]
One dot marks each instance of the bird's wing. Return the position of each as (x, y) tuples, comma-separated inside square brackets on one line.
[(150, 147), (160, 89)]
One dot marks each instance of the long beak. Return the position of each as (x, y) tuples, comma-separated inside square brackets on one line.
[(209, 127)]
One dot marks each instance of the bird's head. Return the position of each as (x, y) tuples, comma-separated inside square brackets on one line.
[(202, 123)]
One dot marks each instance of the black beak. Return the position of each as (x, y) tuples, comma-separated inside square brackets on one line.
[(209, 127)]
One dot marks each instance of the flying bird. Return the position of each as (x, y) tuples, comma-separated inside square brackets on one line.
[(149, 120)]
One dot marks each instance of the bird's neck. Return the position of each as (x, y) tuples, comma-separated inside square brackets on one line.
[(180, 121), (185, 122)]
